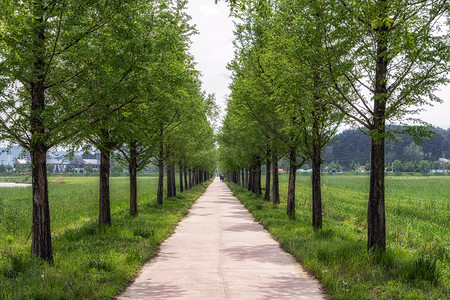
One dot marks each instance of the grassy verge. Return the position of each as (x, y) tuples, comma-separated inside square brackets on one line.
[(416, 263), (90, 262)]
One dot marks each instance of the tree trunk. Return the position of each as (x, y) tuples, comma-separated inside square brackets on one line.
[(257, 177), (168, 180), (171, 189), (132, 169), (247, 175), (243, 177), (291, 188), (104, 215), (190, 178), (159, 193), (250, 178), (275, 181), (376, 223), (185, 178), (181, 178), (316, 188), (267, 192), (174, 185), (41, 245)]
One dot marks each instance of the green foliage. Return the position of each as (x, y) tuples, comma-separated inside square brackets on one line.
[(414, 266)]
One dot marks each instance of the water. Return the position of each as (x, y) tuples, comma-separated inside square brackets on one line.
[(12, 184)]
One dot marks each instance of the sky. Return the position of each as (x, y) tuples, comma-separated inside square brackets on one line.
[(213, 50)]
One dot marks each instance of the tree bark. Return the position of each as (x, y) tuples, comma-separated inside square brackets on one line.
[(159, 193), (41, 245), (168, 180), (247, 175), (316, 188), (268, 165), (250, 179), (132, 169), (174, 185), (257, 177), (291, 188), (190, 178), (185, 178), (376, 223), (181, 178), (171, 190), (104, 215), (275, 181)]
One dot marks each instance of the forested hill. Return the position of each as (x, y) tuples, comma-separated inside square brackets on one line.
[(354, 146)]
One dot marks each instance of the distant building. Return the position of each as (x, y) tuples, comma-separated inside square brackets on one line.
[(361, 169), (9, 155), (58, 164), (79, 165)]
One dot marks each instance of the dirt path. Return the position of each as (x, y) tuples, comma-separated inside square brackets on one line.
[(219, 252)]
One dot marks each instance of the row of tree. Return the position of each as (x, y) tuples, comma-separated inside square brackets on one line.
[(302, 67), (116, 75)]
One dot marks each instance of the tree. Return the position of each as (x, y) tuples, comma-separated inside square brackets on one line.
[(397, 166), (424, 166), (88, 168), (68, 169), (50, 168), (392, 58), (51, 51)]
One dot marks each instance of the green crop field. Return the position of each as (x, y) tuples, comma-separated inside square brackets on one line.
[(73, 202), (91, 262), (416, 264)]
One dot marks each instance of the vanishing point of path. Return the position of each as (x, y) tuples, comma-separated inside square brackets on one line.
[(219, 252)]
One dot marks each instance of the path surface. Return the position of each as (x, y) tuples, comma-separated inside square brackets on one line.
[(219, 252)]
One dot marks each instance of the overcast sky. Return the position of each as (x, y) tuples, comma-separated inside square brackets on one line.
[(213, 50)]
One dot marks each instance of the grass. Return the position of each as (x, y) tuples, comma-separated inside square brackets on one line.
[(91, 262), (416, 264)]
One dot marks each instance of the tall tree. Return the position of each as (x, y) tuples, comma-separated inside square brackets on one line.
[(44, 51), (384, 68)]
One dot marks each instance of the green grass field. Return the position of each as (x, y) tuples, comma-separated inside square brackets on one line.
[(416, 264), (90, 262)]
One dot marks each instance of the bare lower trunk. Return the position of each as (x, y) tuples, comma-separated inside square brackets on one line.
[(104, 215), (291, 188), (174, 186), (275, 181), (316, 191), (185, 178), (376, 223), (190, 178), (160, 192), (181, 178), (168, 180), (243, 177), (250, 179), (257, 178), (41, 245), (267, 192), (132, 168)]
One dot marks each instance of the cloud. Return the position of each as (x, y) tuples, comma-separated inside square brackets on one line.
[(208, 10)]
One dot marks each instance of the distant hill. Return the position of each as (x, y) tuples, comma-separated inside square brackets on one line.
[(354, 146)]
